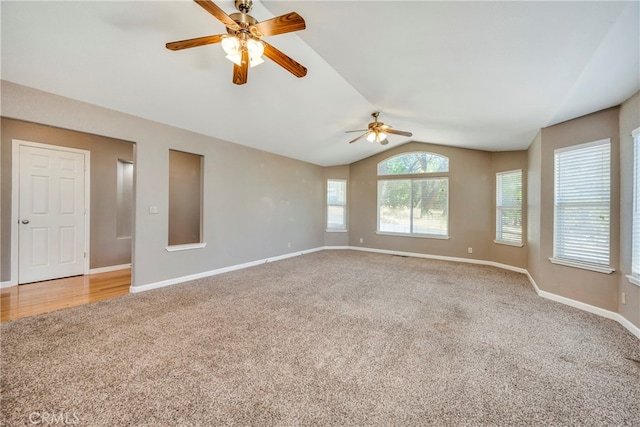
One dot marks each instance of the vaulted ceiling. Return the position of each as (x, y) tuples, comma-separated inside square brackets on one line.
[(482, 75)]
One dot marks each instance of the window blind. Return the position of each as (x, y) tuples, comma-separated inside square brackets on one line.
[(582, 203), (336, 205), (509, 207)]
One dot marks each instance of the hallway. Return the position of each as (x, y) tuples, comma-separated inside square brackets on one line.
[(42, 297)]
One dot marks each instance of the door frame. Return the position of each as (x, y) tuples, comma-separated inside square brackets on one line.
[(15, 197)]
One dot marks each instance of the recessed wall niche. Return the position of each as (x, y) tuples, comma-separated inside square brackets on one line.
[(185, 198)]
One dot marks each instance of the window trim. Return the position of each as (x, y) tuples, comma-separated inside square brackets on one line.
[(421, 235), (346, 215), (509, 242), (583, 265), (446, 173), (412, 177), (634, 277), (416, 235)]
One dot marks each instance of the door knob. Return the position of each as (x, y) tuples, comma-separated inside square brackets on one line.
[(25, 221)]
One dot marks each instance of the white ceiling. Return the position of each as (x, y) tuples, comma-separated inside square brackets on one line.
[(484, 75)]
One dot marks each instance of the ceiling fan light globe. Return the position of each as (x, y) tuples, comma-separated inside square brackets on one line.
[(376, 136), (234, 58), (231, 46), (255, 47), (255, 61)]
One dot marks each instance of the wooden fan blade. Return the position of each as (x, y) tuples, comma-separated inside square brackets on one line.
[(398, 132), (199, 41), (218, 13), (360, 137), (240, 71), (384, 141), (284, 61), (359, 130), (281, 24)]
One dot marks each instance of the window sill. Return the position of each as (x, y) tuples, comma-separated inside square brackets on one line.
[(420, 236), (634, 280), (336, 231), (504, 242), (189, 246), (583, 265)]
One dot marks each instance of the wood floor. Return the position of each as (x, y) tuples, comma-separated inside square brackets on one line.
[(42, 297)]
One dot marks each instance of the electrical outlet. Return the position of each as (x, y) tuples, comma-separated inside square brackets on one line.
[(470, 250), (361, 240), (153, 209), (289, 244), (623, 298)]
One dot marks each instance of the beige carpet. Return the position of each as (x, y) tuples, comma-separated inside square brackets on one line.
[(329, 338)]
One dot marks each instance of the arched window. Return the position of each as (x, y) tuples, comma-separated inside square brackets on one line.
[(413, 195), (413, 163)]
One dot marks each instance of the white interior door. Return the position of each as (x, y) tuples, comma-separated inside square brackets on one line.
[(51, 216)]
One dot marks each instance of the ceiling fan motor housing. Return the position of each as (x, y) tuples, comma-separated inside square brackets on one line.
[(375, 122), (245, 22)]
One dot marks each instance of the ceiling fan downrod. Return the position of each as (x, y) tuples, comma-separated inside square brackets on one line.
[(244, 6)]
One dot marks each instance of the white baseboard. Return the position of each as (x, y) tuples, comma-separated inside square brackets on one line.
[(544, 294), (563, 300), (110, 268), (628, 325), (439, 257), (7, 284), (162, 284), (586, 307)]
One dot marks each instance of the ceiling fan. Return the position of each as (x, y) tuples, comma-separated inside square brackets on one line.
[(243, 42), (377, 131)]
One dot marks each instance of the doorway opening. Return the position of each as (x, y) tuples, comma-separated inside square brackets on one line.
[(108, 206)]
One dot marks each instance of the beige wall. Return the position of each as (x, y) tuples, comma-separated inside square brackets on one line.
[(105, 248), (629, 120), (467, 222), (256, 204), (597, 289), (471, 205)]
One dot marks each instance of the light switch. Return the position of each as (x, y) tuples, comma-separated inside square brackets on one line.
[(153, 209)]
